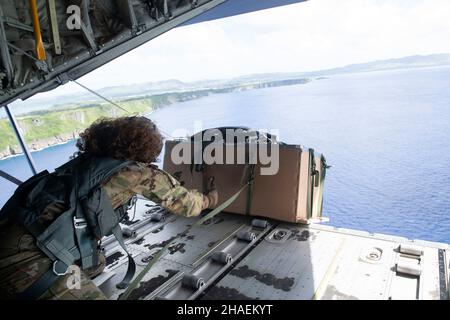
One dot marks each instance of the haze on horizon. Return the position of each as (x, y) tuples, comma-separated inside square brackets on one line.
[(309, 36)]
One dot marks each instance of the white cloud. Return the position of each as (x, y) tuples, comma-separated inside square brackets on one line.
[(307, 36)]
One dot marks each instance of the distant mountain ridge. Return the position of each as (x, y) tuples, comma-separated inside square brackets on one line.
[(174, 85), (416, 61)]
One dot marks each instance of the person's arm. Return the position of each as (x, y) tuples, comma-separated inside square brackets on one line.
[(157, 186)]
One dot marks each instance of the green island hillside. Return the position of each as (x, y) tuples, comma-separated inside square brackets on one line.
[(42, 129)]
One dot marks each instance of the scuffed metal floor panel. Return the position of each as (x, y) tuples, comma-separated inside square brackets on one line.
[(289, 270), (282, 261), (319, 263)]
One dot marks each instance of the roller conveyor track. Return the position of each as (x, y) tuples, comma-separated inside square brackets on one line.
[(223, 260), (189, 253)]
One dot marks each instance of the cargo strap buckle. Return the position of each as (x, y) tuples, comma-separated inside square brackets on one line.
[(79, 223)]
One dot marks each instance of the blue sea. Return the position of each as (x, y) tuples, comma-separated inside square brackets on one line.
[(386, 135)]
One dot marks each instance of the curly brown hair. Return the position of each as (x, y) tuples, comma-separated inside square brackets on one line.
[(128, 138)]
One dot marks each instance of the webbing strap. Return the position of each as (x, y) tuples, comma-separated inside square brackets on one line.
[(141, 275), (131, 270), (87, 255), (147, 268), (41, 285), (220, 208), (311, 176), (84, 241), (321, 185)]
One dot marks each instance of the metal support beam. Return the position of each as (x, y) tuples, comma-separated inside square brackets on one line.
[(10, 178), (76, 68), (53, 22), (127, 14), (21, 140), (88, 36), (86, 28), (4, 51), (17, 24)]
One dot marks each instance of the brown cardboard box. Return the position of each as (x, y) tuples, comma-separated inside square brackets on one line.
[(293, 194)]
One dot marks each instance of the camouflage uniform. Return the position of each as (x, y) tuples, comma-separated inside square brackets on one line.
[(156, 185), (22, 262)]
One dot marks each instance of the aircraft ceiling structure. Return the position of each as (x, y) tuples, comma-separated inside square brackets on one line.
[(46, 43)]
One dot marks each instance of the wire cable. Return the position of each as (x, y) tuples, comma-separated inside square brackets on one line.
[(100, 96), (113, 103)]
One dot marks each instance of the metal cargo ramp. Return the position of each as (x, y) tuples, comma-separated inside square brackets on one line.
[(237, 257)]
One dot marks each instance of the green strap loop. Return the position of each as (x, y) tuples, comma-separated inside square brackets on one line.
[(133, 284), (221, 207), (131, 270)]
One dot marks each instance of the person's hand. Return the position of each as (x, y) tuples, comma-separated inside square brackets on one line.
[(213, 198), (211, 195)]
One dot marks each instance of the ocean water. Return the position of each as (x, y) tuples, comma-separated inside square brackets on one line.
[(386, 135)]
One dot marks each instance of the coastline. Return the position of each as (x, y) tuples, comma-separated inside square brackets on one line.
[(37, 150), (80, 117)]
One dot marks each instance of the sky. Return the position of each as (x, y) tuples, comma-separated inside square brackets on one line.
[(313, 35)]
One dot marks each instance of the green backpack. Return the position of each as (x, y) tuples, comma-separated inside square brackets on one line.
[(72, 238)]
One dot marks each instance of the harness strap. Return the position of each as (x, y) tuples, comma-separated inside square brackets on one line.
[(82, 237), (54, 247), (131, 270), (59, 268), (41, 285), (85, 243)]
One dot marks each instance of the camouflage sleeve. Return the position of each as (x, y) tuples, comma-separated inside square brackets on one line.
[(156, 185)]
